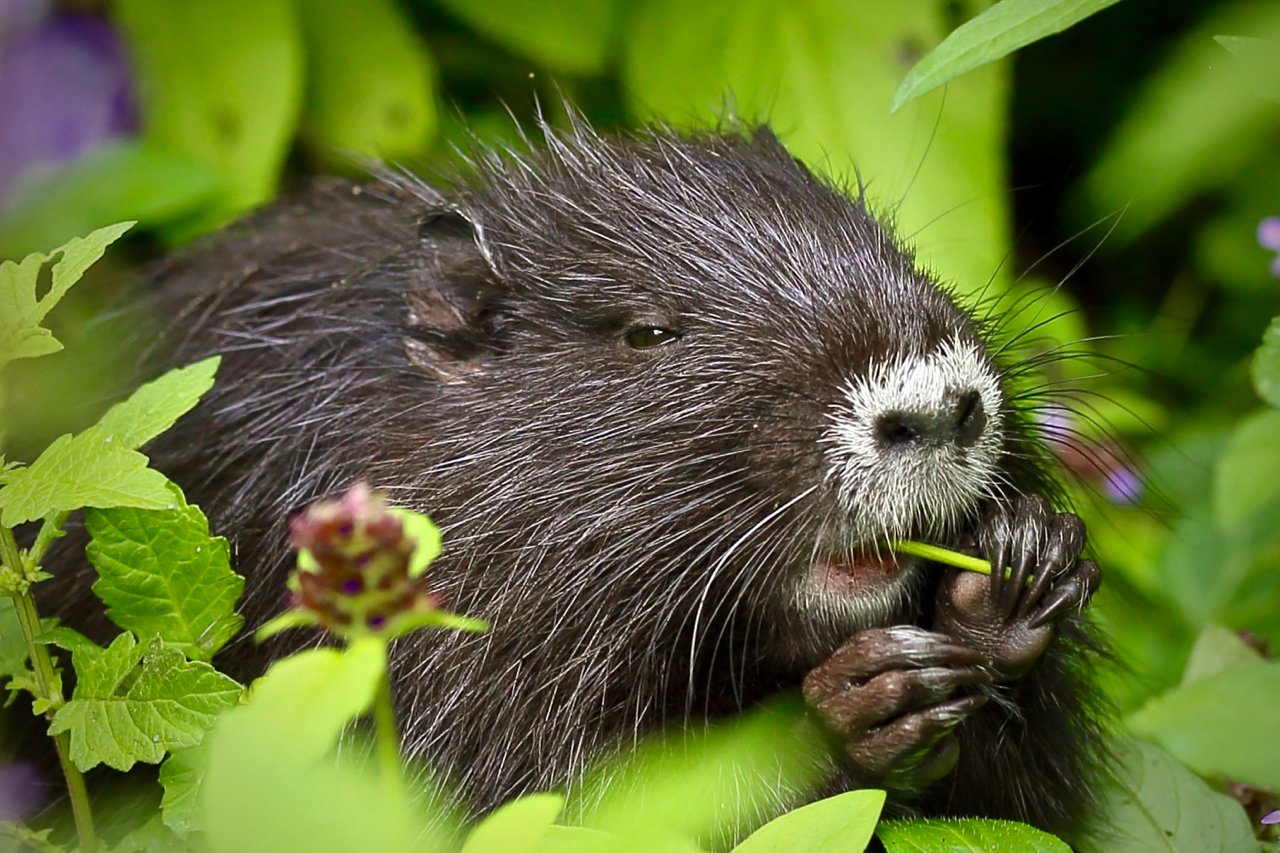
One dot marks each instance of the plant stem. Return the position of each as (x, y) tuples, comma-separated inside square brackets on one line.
[(46, 679), (384, 717)]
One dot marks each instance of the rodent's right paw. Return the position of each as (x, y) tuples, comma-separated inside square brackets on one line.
[(893, 696)]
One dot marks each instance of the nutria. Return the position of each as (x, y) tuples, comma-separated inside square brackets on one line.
[(668, 396)]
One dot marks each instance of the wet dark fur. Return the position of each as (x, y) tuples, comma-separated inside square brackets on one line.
[(608, 509)]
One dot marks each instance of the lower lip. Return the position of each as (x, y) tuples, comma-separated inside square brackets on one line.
[(859, 570)]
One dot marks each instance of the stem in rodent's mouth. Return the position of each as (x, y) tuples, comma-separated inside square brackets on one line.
[(942, 555)]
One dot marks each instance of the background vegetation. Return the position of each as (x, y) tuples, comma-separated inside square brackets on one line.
[(1108, 188)]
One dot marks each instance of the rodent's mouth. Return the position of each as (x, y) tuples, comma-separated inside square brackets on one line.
[(856, 571)]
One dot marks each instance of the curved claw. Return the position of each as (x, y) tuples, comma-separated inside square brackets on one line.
[(1064, 544), (1075, 590), (1031, 516), (993, 541)]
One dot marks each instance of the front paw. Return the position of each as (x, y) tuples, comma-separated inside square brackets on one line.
[(892, 697), (1010, 619)]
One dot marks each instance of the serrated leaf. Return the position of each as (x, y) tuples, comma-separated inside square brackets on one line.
[(997, 32), (1155, 805), (21, 311), (220, 83), (840, 824), (1223, 726), (161, 573), (1266, 365), (99, 467), (970, 835), (517, 827), (135, 703), (572, 36), (182, 776), (371, 89)]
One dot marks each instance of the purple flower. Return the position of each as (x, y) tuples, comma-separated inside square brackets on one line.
[(21, 790), (1122, 485), (1269, 238), (64, 88), (1272, 819)]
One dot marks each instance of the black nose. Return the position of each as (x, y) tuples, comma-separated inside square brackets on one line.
[(959, 421)]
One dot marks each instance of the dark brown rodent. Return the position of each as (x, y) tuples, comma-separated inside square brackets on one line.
[(666, 396)]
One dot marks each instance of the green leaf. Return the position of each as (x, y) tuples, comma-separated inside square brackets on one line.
[(840, 824), (572, 36), (1223, 726), (151, 837), (1262, 57), (15, 669), (1247, 477), (113, 182), (517, 827), (1194, 125), (99, 467), (937, 166), (160, 572), (1155, 805), (371, 89), (997, 32), (966, 836), (134, 703), (220, 82), (155, 406), (21, 310), (182, 776), (1218, 649), (426, 536), (1266, 365)]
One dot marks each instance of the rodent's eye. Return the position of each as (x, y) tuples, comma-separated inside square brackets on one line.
[(648, 337)]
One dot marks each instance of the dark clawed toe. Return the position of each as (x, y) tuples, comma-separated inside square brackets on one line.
[(878, 650), (1063, 542), (1031, 516), (898, 747), (993, 542), (1072, 592)]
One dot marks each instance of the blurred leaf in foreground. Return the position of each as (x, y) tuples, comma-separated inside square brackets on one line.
[(1266, 365), (570, 36), (992, 836), (840, 824)]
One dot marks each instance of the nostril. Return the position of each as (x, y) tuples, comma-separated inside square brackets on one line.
[(971, 419), (899, 428)]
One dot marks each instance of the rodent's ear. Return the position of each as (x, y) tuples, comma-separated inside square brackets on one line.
[(452, 324)]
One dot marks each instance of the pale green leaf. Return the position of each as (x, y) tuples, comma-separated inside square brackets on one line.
[(1155, 805), (823, 74), (118, 717), (155, 406), (517, 827), (21, 311), (970, 835), (1247, 477), (839, 824), (425, 535), (160, 572), (997, 32), (1223, 726), (1261, 57), (181, 776), (371, 90), (572, 36), (220, 83), (1266, 365), (1216, 650), (152, 837)]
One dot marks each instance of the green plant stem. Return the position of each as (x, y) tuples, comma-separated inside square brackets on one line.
[(46, 679), (384, 717)]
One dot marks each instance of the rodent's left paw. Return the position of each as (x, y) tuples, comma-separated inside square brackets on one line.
[(1011, 619)]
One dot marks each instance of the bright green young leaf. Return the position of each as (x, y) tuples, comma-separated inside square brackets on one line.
[(181, 776), (1155, 805), (1266, 365), (99, 467), (571, 36), (117, 181), (997, 32), (1223, 726), (1247, 477), (963, 836), (840, 824), (1218, 649), (220, 83), (371, 89), (134, 703), (160, 572), (22, 310), (424, 533), (823, 75), (517, 827), (1197, 122)]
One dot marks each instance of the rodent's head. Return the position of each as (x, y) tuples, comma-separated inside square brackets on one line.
[(692, 355)]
